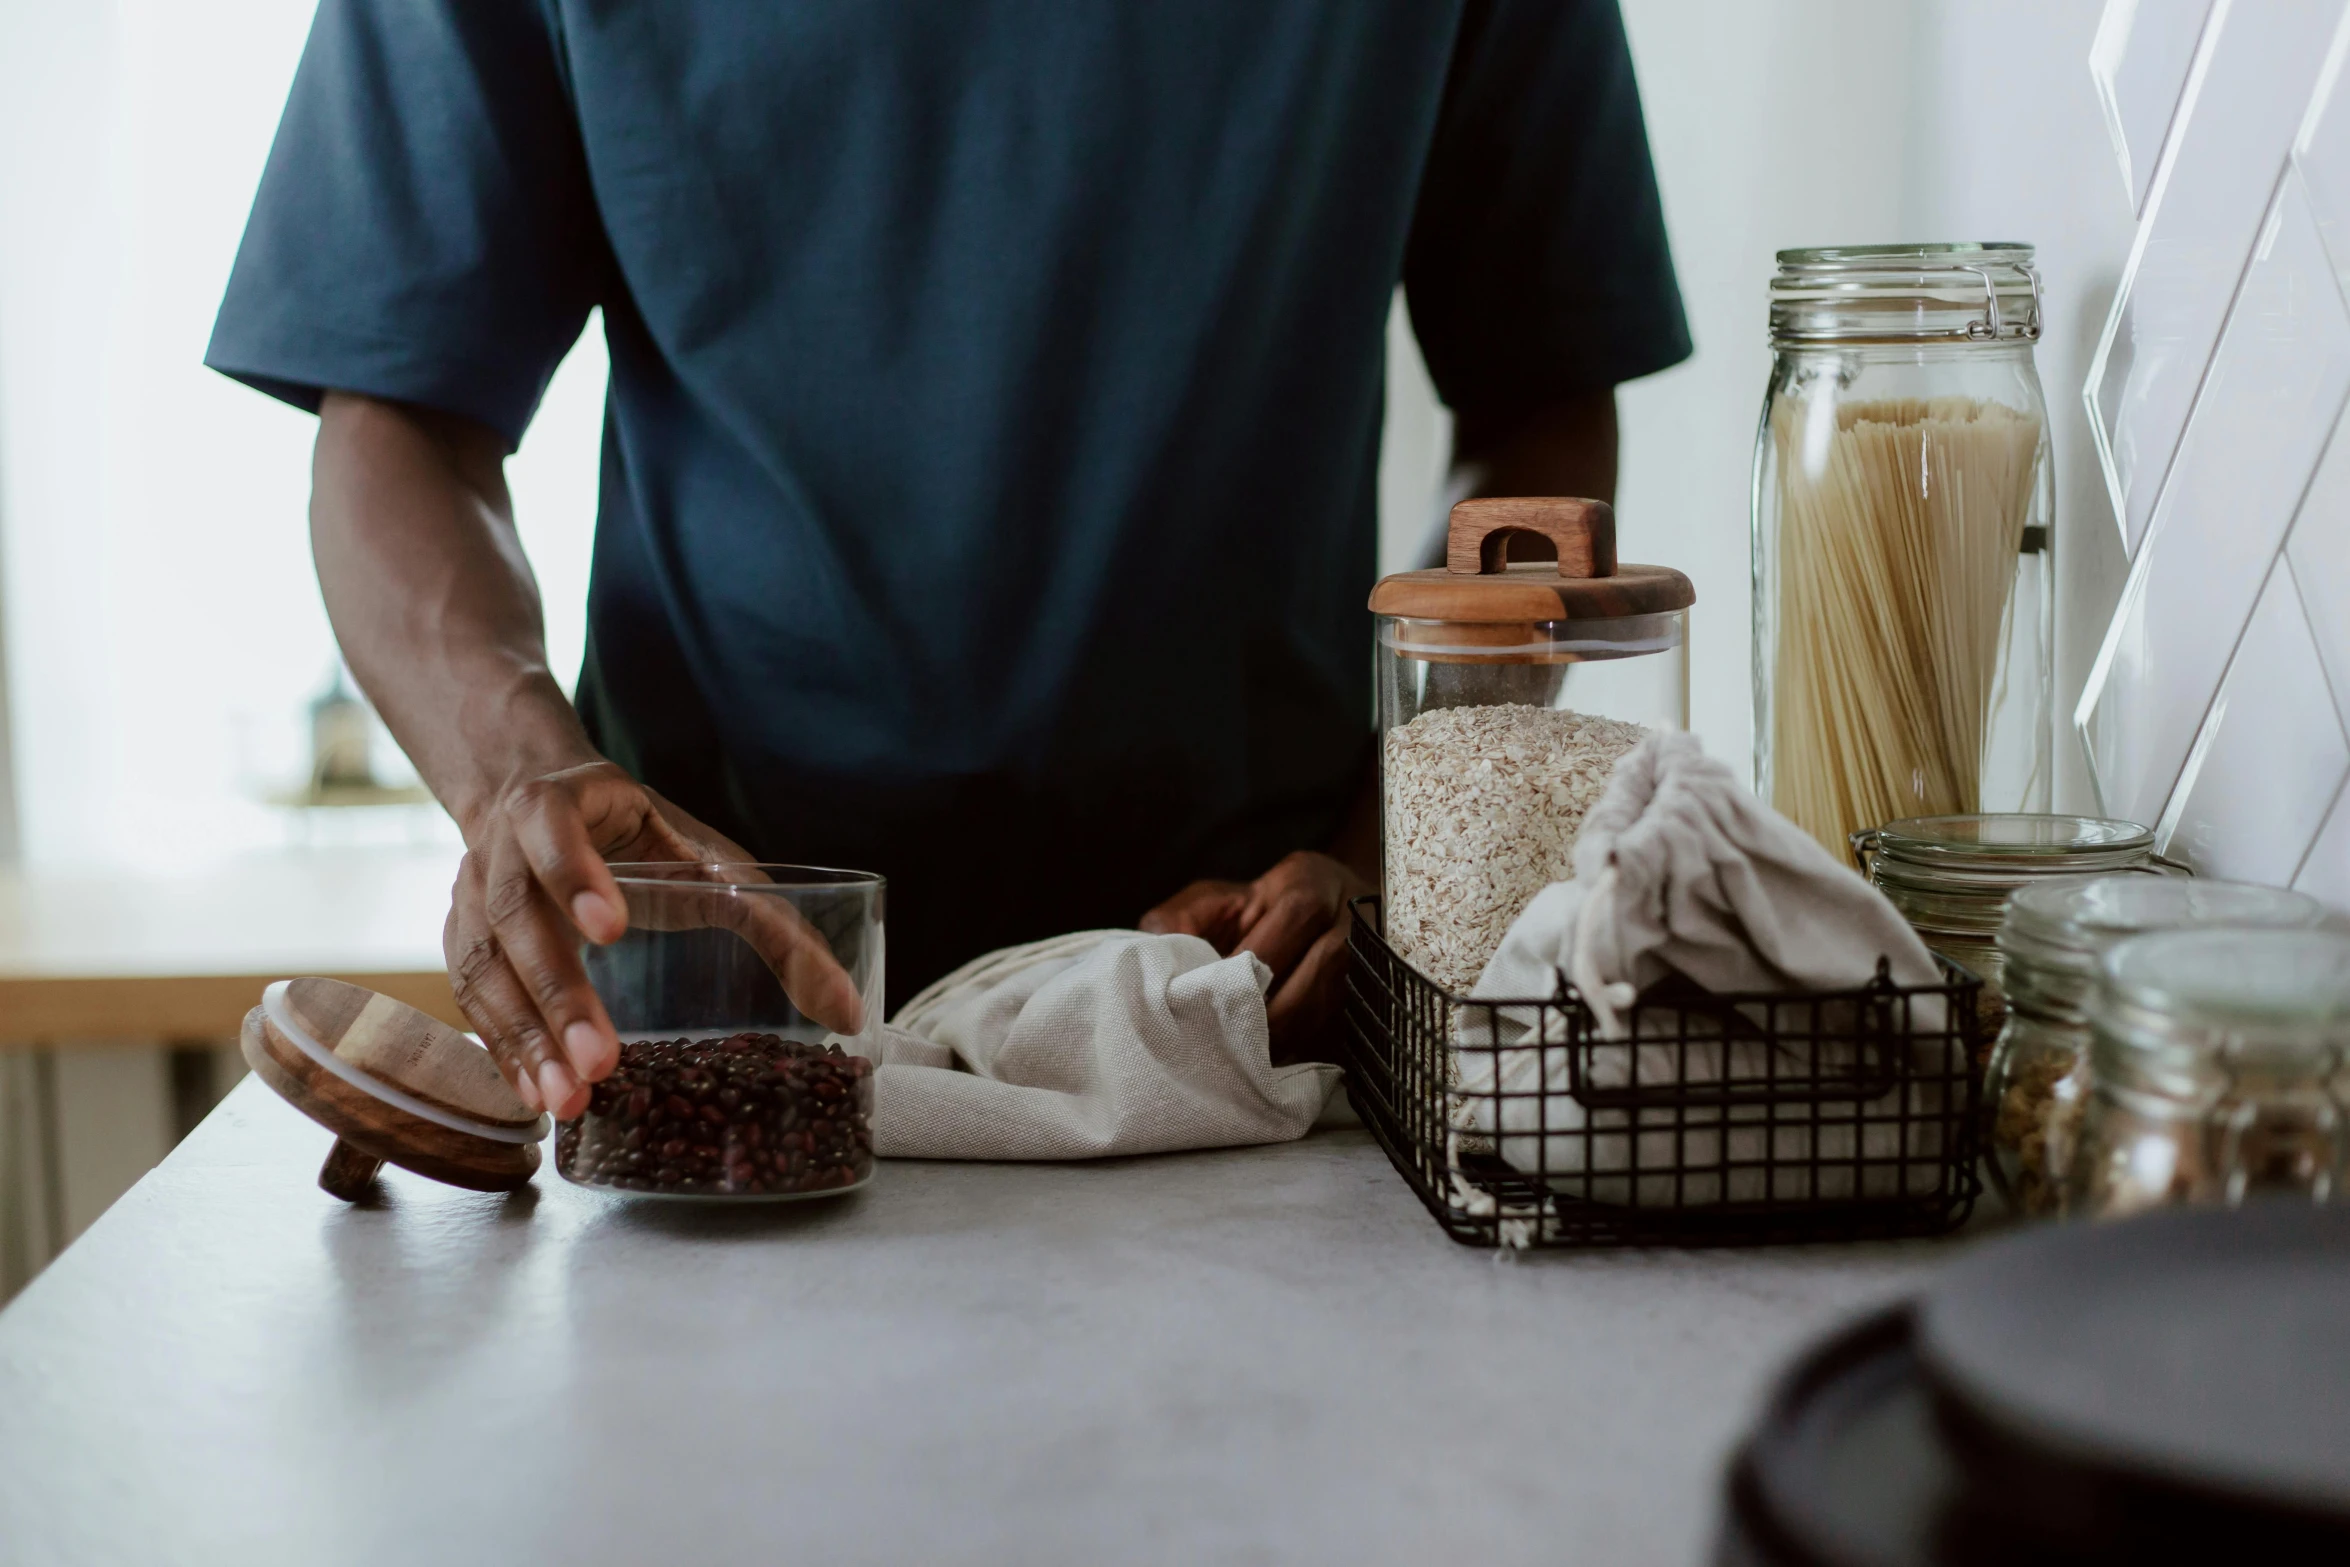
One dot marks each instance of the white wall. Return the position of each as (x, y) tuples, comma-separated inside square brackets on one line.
[(56, 253)]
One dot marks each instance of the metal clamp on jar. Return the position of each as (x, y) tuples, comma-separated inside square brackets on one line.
[(1506, 693)]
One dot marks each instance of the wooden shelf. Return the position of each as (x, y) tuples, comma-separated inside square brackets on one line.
[(113, 953)]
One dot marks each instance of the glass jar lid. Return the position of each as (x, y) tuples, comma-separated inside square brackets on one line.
[(2000, 850), (1963, 293), (2278, 999), (1953, 874), (2068, 924), (2055, 932), (1480, 586)]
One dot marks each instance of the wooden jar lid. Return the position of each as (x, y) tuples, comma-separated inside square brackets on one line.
[(394, 1085), (1477, 583)]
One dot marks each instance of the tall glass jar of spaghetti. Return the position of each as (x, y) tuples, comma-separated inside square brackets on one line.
[(1903, 613)]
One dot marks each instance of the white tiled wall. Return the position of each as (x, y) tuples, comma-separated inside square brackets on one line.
[(2229, 132), (2218, 703), (2141, 60)]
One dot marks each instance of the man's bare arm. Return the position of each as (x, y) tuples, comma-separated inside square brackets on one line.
[(438, 615)]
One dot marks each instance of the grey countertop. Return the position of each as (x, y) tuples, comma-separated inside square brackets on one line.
[(1262, 1355)]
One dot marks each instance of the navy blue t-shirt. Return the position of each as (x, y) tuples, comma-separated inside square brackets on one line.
[(989, 460)]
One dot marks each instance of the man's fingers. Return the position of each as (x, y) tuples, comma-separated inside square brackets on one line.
[(1210, 910), (511, 1027), (1303, 1011), (797, 953), (707, 895), (1285, 929), (687, 837), (542, 954), (500, 1009), (1319, 977), (552, 832), (457, 953)]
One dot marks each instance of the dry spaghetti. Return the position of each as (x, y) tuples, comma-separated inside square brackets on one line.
[(1899, 531)]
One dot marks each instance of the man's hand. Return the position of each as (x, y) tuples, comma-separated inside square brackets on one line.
[(533, 882), (1295, 918)]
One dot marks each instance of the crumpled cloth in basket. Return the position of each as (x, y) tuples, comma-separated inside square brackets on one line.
[(1099, 1043), (1680, 870)]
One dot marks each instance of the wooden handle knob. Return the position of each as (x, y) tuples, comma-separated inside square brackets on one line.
[(1584, 532), (349, 1173)]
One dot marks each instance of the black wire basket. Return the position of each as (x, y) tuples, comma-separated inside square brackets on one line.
[(1721, 1120)]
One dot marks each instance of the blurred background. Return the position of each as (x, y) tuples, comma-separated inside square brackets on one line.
[(169, 669)]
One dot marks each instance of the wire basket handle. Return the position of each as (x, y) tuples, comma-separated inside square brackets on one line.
[(1879, 1063)]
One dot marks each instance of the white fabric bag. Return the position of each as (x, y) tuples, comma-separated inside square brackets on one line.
[(1679, 869), (1084, 1046)]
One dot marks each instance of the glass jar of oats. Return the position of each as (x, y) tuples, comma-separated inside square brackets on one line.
[(1508, 687)]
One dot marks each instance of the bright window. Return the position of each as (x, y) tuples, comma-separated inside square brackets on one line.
[(164, 631)]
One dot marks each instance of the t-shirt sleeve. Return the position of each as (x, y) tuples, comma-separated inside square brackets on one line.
[(1537, 267), (424, 230)]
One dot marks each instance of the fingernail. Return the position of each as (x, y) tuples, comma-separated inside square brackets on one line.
[(528, 1091), (593, 914), (591, 1054), (556, 1084)]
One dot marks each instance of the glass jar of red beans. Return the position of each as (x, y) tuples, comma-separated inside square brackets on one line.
[(747, 1000), (750, 1115)]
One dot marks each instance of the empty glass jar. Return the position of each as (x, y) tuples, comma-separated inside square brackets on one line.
[(2220, 1071), (2050, 944), (1903, 623)]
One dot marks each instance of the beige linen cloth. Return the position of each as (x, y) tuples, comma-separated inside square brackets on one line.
[(1679, 869), (1099, 1043)]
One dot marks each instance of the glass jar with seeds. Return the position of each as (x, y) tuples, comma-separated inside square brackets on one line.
[(1903, 619), (1507, 691), (2051, 941), (2219, 1069)]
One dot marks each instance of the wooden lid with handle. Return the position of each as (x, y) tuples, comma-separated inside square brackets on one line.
[(394, 1085), (1477, 582)]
